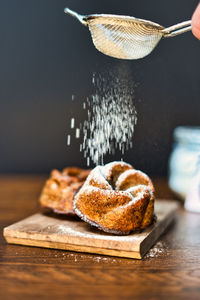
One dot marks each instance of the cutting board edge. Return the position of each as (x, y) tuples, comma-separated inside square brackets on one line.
[(72, 247), (148, 242)]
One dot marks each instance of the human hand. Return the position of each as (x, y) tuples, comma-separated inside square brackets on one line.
[(196, 22)]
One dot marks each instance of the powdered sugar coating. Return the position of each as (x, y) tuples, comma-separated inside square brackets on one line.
[(110, 167), (98, 179), (101, 199), (130, 179)]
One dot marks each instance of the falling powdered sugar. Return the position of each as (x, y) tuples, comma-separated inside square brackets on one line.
[(68, 140), (72, 122), (111, 117)]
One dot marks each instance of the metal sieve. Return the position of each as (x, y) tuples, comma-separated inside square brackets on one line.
[(126, 37)]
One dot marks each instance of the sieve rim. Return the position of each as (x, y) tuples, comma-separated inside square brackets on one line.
[(87, 18)]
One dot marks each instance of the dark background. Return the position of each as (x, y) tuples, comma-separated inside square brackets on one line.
[(46, 56)]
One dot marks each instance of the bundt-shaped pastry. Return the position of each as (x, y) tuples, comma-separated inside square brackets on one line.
[(116, 198), (60, 189)]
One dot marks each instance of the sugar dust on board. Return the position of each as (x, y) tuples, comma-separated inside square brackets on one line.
[(110, 122)]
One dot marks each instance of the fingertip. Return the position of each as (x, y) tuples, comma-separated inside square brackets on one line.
[(196, 22), (196, 32)]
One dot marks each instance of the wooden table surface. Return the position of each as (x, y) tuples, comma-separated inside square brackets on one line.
[(171, 270)]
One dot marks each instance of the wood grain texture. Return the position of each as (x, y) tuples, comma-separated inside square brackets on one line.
[(50, 231), (30, 273)]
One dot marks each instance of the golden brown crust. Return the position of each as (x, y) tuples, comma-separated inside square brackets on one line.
[(116, 198), (60, 189)]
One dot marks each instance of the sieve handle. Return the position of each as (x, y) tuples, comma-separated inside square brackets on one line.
[(177, 29), (79, 17)]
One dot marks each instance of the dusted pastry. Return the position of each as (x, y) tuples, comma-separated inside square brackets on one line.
[(116, 198), (60, 189)]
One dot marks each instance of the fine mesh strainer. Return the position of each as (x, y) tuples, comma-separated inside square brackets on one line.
[(126, 37)]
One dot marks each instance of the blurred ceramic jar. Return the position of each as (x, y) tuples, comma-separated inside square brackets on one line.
[(184, 159)]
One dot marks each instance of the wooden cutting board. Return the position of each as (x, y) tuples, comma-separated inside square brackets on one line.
[(52, 231)]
